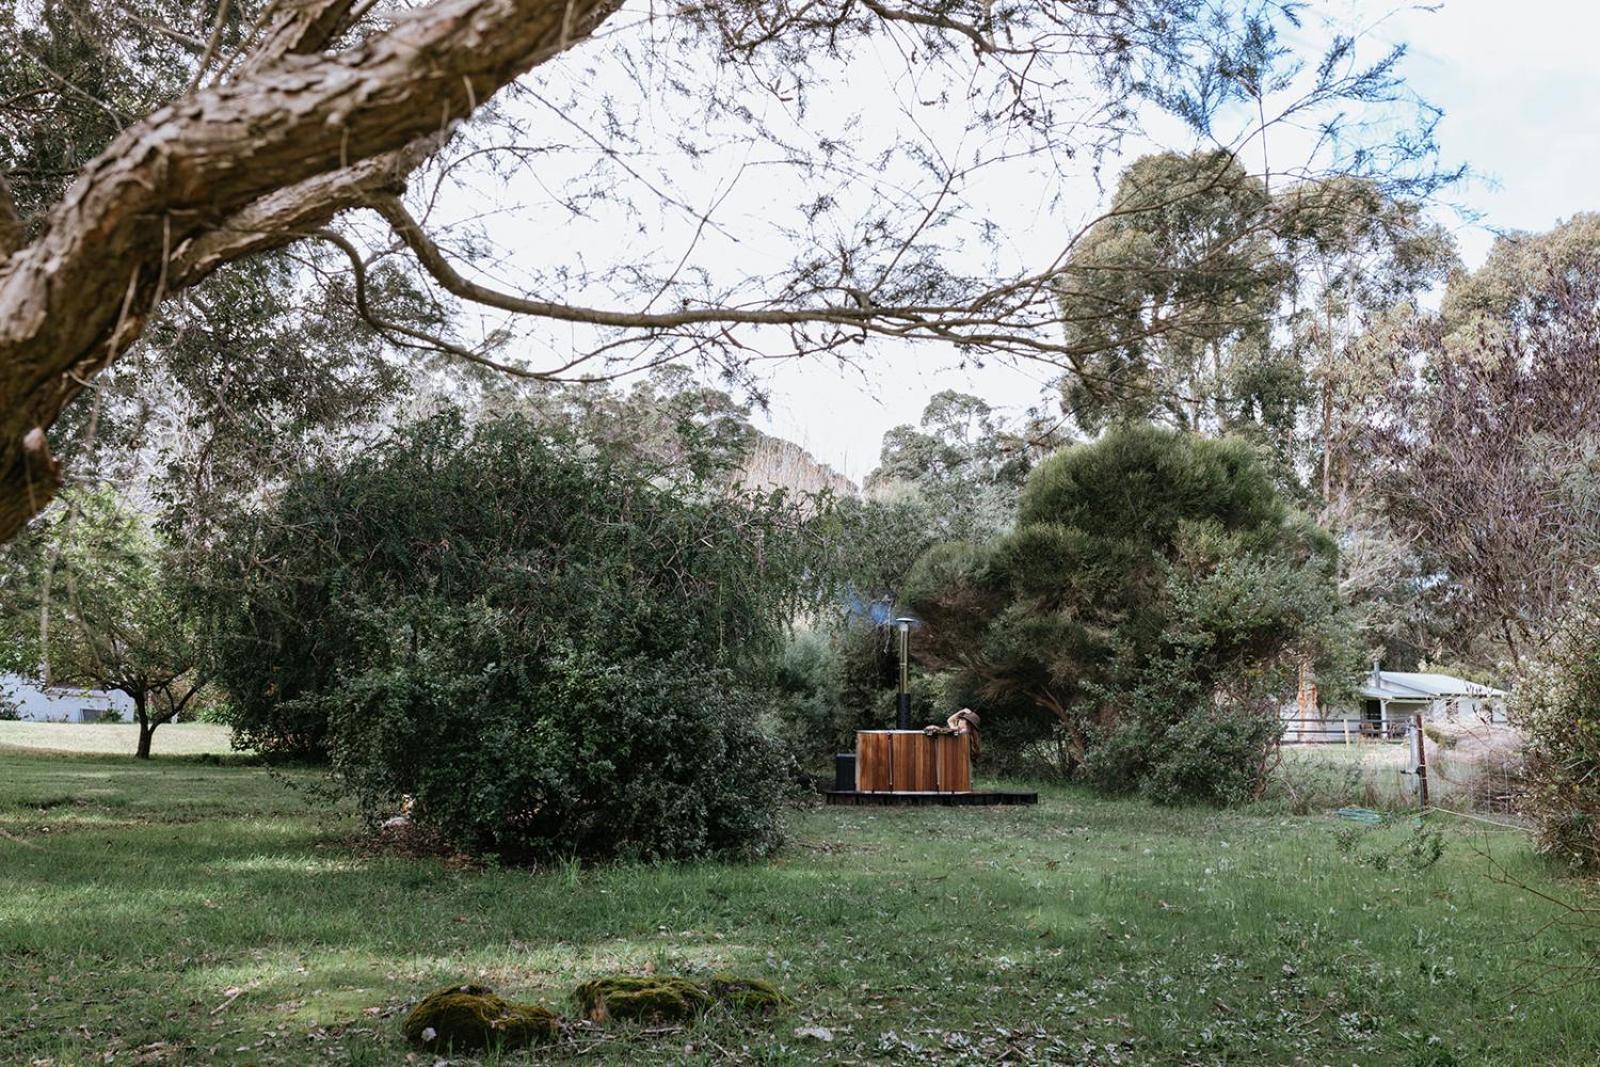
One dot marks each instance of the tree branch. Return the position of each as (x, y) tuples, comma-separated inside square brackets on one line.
[(980, 43), (299, 28), (212, 42), (393, 330), (290, 214), (434, 262)]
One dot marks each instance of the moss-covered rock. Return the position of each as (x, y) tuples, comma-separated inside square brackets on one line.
[(473, 1017), (752, 995), (643, 998), (667, 998)]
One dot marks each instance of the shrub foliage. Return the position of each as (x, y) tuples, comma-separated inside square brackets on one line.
[(1557, 704), (535, 642)]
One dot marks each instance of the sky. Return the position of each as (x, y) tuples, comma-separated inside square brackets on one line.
[(1520, 90), (1517, 86)]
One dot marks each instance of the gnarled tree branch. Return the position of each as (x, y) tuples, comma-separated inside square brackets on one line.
[(289, 214)]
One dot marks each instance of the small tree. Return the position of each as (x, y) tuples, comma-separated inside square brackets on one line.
[(1154, 603), (91, 603)]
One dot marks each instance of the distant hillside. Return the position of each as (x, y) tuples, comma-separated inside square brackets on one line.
[(775, 463)]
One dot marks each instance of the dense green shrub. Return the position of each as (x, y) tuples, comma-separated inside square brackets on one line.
[(1217, 755), (808, 681), (592, 757), (1557, 704), (539, 646), (1149, 613)]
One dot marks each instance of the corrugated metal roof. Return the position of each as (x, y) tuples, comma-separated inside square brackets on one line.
[(1407, 685)]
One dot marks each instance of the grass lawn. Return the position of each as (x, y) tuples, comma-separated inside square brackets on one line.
[(175, 912), (174, 739)]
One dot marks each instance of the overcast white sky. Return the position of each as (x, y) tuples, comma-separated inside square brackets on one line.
[(1520, 87)]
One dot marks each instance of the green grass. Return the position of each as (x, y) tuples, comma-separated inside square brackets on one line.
[(174, 739), (197, 914)]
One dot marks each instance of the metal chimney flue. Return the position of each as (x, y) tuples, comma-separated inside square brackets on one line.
[(903, 699)]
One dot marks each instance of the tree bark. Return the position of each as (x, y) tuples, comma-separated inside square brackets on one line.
[(147, 729), (229, 170)]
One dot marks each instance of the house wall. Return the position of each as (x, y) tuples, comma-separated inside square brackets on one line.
[(59, 704)]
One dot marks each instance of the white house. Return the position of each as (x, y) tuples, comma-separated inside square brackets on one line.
[(38, 703), (1389, 701)]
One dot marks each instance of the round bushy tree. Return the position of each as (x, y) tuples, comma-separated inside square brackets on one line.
[(1152, 606), (547, 651)]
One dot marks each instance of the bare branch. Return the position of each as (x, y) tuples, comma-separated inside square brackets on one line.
[(435, 263), (939, 21), (212, 42), (393, 329)]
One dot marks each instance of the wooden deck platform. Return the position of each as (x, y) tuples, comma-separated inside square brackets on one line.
[(980, 799)]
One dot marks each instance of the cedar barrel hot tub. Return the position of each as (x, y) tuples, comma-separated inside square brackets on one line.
[(903, 767), (910, 761)]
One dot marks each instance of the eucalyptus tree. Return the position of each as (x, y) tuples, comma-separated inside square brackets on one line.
[(1358, 258), (1171, 297), (963, 465), (1212, 301)]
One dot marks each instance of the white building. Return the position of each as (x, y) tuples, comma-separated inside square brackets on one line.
[(1389, 701), (38, 703)]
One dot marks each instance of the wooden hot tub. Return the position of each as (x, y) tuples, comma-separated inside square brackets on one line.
[(910, 761)]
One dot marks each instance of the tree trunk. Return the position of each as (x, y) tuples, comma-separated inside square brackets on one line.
[(1327, 448), (1511, 644), (147, 729), (189, 188)]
